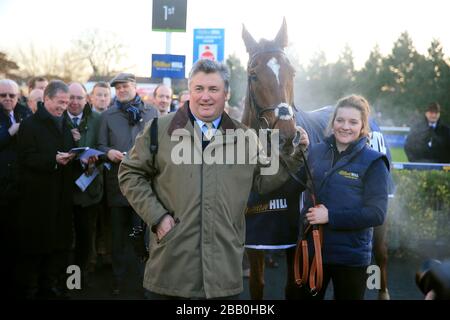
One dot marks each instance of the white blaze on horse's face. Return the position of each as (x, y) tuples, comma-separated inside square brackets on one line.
[(275, 67)]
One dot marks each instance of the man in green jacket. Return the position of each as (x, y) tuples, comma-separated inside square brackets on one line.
[(196, 208)]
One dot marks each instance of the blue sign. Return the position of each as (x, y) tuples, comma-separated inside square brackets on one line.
[(395, 140), (422, 166), (168, 66), (209, 44)]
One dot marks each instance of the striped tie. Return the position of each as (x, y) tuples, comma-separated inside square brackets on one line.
[(208, 131), (75, 122)]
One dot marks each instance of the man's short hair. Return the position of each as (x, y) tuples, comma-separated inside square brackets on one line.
[(433, 107), (53, 87), (159, 86), (9, 82), (101, 84), (32, 82), (210, 66)]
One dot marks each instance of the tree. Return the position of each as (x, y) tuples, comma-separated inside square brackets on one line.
[(101, 52), (49, 62), (439, 71), (323, 83), (368, 80), (311, 83), (93, 53), (238, 80), (342, 75), (6, 66)]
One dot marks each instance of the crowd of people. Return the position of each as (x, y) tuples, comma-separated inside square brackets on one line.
[(194, 213)]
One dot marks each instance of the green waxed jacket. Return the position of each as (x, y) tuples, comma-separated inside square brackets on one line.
[(201, 256)]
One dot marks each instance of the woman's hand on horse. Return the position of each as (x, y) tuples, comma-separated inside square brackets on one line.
[(317, 215)]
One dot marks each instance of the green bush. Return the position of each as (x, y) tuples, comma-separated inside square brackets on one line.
[(420, 210)]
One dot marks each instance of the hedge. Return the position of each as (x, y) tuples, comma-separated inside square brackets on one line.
[(420, 210)]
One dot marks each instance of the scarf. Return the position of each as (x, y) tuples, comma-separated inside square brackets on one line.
[(132, 109)]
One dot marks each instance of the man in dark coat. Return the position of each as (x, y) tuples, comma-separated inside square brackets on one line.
[(11, 114), (429, 139), (45, 220), (119, 126), (84, 124)]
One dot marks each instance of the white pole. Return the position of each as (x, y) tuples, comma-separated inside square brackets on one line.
[(168, 81)]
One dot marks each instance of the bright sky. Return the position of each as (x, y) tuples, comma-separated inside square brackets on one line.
[(313, 25)]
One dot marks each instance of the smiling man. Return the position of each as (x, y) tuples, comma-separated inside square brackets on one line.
[(84, 124), (195, 210), (46, 183)]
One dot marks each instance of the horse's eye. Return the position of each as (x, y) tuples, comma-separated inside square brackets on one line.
[(253, 77)]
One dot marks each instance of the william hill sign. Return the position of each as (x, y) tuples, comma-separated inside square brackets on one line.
[(168, 66)]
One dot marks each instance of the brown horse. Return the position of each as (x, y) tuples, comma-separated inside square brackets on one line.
[(270, 95), (269, 104)]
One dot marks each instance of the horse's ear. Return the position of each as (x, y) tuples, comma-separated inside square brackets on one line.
[(282, 38), (250, 43)]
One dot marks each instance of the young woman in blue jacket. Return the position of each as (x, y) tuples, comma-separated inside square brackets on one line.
[(351, 188)]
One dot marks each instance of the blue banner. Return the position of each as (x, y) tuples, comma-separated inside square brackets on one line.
[(395, 140), (421, 166), (168, 66), (209, 44)]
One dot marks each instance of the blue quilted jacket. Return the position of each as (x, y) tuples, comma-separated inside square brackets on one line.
[(355, 191)]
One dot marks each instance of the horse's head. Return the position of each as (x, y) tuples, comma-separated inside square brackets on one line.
[(270, 91)]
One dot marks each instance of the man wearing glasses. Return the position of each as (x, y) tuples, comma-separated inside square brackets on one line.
[(11, 114)]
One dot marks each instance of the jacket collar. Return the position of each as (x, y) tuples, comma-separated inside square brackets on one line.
[(182, 119), (354, 147), (87, 111), (42, 112), (45, 116)]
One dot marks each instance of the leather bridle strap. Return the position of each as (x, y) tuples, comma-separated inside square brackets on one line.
[(316, 273), (301, 251)]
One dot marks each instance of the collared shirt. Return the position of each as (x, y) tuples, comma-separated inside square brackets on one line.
[(11, 117), (215, 123), (79, 117)]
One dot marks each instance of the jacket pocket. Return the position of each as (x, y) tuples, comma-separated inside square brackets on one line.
[(169, 235)]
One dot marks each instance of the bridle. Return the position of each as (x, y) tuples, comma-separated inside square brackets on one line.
[(282, 111), (315, 273)]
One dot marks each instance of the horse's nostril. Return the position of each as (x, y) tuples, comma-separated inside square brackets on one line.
[(297, 138)]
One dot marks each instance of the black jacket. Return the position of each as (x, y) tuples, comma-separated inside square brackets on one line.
[(45, 216), (8, 155), (425, 144)]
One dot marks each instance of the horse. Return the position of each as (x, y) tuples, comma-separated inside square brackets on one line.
[(269, 98)]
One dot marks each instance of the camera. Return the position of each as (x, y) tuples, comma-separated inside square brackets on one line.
[(137, 238), (434, 275)]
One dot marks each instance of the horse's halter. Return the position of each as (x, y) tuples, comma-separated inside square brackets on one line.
[(282, 111)]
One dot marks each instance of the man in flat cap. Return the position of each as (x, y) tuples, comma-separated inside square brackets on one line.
[(119, 126)]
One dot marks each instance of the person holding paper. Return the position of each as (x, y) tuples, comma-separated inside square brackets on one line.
[(45, 222), (84, 124)]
